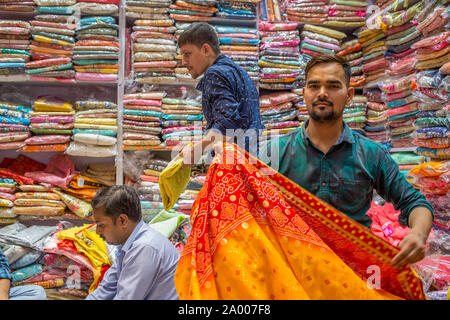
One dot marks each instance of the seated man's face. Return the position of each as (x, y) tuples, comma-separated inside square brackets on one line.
[(109, 231), (326, 93), (194, 59)]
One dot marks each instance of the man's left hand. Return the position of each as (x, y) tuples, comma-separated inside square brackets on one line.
[(412, 249)]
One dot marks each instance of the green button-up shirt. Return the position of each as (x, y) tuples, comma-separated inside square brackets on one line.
[(346, 175)]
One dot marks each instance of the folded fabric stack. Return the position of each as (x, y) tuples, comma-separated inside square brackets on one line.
[(373, 45), (302, 110), (96, 129), (52, 124), (141, 120), (377, 123), (83, 187), (37, 200), (103, 173), (8, 188), (344, 13), (53, 32), (99, 7), (305, 11), (402, 110), (234, 42), (281, 65), (192, 10), (355, 113), (81, 253), (14, 121), (278, 113), (351, 52), (184, 121), (23, 246), (181, 72), (406, 160), (317, 40), (148, 189), (433, 18), (173, 225), (17, 6), (433, 52), (245, 9), (432, 91), (14, 49), (146, 9), (154, 51), (96, 52)]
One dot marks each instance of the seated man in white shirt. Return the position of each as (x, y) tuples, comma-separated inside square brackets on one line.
[(145, 265)]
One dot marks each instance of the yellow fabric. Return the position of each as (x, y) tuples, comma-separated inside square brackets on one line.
[(99, 121), (87, 241), (48, 113), (151, 172), (325, 31), (255, 263), (172, 182), (44, 105)]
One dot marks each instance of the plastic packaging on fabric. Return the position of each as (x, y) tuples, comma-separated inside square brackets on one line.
[(79, 207), (81, 149)]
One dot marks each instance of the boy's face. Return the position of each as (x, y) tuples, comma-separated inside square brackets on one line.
[(196, 59)]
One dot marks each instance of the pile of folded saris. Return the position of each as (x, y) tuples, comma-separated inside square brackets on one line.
[(241, 45), (373, 45), (27, 6), (317, 40), (182, 121), (278, 113), (154, 50), (351, 51), (231, 9), (14, 121), (377, 123), (51, 125), (14, 49), (280, 60), (95, 129), (53, 32), (355, 113), (99, 7), (146, 9), (142, 120), (96, 52), (192, 10)]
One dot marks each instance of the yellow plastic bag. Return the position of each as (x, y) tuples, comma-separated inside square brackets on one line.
[(79, 207), (172, 182)]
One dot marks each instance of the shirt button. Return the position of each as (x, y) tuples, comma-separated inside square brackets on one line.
[(323, 184)]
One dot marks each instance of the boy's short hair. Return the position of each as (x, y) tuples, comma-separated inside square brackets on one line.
[(198, 34)]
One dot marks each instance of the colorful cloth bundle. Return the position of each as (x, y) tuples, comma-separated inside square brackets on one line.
[(38, 203), (431, 91), (96, 52), (95, 134), (231, 39), (99, 7), (141, 120), (372, 57), (377, 124), (231, 9), (14, 49), (280, 62), (433, 52), (335, 13), (314, 43), (17, 6), (191, 10), (352, 52), (154, 50), (355, 113), (279, 113), (53, 32), (51, 122), (14, 121), (179, 109)]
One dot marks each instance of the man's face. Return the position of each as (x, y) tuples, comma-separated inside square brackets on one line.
[(109, 231), (195, 59), (326, 93)]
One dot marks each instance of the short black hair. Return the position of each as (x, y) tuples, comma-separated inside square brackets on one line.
[(329, 58), (198, 34), (116, 200)]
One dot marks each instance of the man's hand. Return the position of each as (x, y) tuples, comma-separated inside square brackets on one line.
[(4, 289), (412, 249)]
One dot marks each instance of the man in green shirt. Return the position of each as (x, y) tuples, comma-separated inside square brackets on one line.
[(341, 166)]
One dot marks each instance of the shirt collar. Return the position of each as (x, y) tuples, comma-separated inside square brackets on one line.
[(219, 58), (132, 237), (346, 135)]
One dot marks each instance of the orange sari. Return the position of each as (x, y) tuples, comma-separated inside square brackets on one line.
[(258, 236)]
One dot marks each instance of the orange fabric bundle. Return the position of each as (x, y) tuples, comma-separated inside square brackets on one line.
[(46, 148)]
